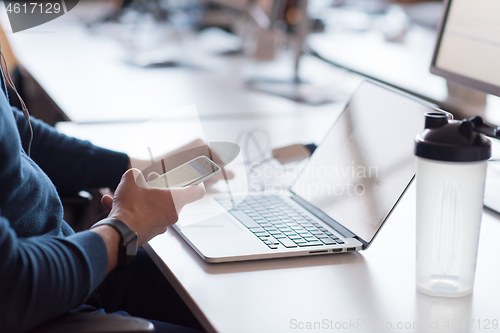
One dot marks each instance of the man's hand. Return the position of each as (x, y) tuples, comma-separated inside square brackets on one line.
[(179, 156), (148, 211)]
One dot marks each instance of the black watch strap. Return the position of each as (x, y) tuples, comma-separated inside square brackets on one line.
[(127, 249)]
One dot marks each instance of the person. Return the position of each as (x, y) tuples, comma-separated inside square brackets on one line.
[(46, 269)]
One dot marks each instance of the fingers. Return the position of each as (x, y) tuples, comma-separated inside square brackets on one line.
[(137, 176), (219, 176), (107, 201), (152, 175), (195, 193), (196, 143), (129, 175), (184, 196), (229, 174), (128, 192), (211, 181)]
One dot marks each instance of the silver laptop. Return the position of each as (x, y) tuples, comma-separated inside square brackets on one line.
[(340, 199)]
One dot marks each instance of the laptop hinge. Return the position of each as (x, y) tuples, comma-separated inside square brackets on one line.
[(365, 244), (343, 231)]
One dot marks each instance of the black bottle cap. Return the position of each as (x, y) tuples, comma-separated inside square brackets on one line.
[(451, 140)]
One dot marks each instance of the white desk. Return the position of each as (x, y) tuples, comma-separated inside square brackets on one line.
[(376, 286), (103, 87), (271, 132), (405, 65)]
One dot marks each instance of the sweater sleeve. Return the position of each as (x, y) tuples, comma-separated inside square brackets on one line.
[(43, 277), (72, 164)]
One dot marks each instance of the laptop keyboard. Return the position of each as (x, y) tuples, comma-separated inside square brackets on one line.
[(276, 222)]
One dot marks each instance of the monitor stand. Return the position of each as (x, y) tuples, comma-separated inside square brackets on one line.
[(295, 88), (492, 192), (464, 102), (492, 189)]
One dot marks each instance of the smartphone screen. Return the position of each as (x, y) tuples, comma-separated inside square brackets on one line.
[(197, 170)]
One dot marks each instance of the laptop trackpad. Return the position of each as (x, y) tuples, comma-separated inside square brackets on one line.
[(220, 224)]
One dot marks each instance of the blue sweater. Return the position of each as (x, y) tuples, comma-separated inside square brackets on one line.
[(45, 268)]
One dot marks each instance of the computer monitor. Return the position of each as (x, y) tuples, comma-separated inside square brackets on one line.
[(468, 52), (468, 45)]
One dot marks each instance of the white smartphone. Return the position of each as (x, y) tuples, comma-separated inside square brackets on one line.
[(191, 173)]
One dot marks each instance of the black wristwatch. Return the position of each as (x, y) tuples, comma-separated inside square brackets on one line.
[(127, 250)]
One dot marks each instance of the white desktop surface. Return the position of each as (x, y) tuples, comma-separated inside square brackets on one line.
[(105, 88), (405, 64), (272, 132), (375, 286)]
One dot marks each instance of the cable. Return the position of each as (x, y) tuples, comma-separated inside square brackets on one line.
[(249, 137), (246, 139), (307, 49), (8, 79)]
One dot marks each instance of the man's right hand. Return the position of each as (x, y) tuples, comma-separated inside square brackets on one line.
[(179, 156), (148, 211)]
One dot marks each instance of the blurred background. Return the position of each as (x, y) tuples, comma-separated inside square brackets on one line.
[(267, 45), (262, 74)]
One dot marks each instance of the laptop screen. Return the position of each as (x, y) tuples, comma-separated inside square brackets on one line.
[(366, 161)]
